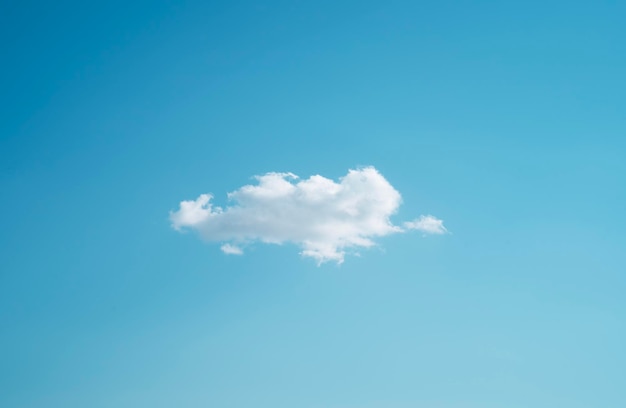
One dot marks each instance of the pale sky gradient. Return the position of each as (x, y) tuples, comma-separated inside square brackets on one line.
[(503, 119)]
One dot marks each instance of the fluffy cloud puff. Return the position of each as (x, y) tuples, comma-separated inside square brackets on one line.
[(323, 217)]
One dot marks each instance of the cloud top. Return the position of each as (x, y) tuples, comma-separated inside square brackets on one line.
[(323, 217)]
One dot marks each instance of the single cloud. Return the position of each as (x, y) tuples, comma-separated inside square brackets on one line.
[(323, 217), (230, 249), (427, 224)]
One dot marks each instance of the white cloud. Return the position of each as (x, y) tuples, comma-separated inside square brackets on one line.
[(230, 249), (323, 217), (427, 224)]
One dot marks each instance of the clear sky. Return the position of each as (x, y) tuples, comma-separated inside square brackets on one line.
[(506, 120)]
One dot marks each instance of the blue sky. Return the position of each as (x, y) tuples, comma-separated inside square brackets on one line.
[(504, 119)]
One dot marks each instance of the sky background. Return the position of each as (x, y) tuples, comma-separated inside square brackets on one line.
[(505, 119)]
